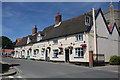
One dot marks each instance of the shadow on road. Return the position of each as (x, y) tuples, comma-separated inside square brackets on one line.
[(12, 65)]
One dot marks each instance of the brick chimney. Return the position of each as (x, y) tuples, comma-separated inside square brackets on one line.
[(34, 30), (58, 18)]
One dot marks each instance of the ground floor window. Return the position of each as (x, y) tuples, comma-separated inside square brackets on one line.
[(42, 52), (79, 52), (61, 51), (55, 53), (34, 52)]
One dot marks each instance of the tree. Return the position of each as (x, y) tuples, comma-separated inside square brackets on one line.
[(6, 43)]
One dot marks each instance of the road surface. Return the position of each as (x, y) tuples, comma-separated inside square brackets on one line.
[(42, 69)]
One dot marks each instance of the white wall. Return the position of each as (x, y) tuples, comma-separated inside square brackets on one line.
[(106, 43)]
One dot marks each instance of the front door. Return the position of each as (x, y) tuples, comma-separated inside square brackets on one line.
[(46, 55), (67, 55)]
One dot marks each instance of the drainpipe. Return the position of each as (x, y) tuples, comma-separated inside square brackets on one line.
[(95, 36)]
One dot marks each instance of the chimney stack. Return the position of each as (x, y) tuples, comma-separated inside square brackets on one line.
[(111, 14), (58, 18), (34, 30)]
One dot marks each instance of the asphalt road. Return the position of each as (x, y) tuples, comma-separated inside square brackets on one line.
[(42, 69)]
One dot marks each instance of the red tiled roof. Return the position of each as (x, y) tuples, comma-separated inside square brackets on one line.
[(6, 50)]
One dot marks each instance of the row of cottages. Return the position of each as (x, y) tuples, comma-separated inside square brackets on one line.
[(72, 40)]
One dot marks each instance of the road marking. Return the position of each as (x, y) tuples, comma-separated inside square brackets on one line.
[(10, 76), (18, 70)]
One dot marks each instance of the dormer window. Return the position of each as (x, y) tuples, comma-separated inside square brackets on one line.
[(39, 37), (55, 42), (87, 20), (28, 40), (79, 37)]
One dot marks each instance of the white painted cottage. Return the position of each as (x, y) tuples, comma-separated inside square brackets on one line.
[(72, 40)]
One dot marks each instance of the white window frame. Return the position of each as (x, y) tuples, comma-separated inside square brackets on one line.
[(87, 20), (79, 37), (55, 53), (39, 37), (42, 52), (78, 52), (28, 40)]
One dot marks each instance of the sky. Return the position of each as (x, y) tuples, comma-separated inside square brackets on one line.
[(18, 18)]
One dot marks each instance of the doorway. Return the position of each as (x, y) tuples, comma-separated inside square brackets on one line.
[(66, 55), (46, 55)]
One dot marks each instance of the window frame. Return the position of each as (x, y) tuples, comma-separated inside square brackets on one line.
[(55, 54), (87, 20), (79, 37), (42, 53), (79, 52), (28, 40), (39, 37)]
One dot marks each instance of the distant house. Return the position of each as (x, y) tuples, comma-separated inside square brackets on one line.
[(72, 40), (6, 52), (113, 16)]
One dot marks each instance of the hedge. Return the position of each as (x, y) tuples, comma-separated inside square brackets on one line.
[(4, 67), (114, 60)]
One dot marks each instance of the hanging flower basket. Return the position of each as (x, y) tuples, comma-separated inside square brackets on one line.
[(83, 45)]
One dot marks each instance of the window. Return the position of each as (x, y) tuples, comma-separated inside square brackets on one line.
[(28, 40), (34, 52), (39, 37), (79, 37), (79, 52), (42, 52), (55, 42), (87, 20), (61, 51), (55, 53)]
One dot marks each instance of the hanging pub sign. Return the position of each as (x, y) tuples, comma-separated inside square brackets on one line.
[(70, 47)]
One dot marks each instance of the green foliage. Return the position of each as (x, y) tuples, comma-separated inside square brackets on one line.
[(5, 68), (6, 43), (115, 60)]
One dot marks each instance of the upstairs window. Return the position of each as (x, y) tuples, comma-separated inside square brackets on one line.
[(79, 37), (87, 20), (39, 37), (55, 42)]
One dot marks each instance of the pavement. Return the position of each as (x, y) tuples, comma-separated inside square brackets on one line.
[(111, 68), (11, 71)]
